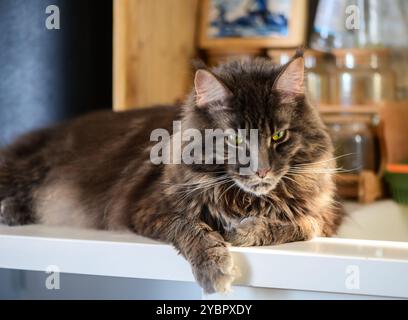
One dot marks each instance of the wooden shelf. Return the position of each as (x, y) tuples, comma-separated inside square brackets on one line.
[(352, 109), (292, 266), (365, 186)]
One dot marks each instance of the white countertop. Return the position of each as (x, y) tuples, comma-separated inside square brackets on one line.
[(322, 264)]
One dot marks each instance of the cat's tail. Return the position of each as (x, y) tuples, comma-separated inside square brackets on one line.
[(6, 191), (5, 176), (15, 195), (22, 169)]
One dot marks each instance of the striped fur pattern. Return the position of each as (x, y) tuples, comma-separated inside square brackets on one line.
[(95, 172)]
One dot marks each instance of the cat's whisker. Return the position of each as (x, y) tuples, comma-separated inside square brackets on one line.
[(226, 190), (204, 187), (322, 171), (184, 194), (189, 184), (323, 161), (290, 179), (196, 192)]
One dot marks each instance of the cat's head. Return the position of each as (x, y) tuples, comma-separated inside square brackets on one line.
[(256, 94)]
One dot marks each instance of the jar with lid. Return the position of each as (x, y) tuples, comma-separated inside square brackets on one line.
[(317, 77), (400, 66), (361, 77), (356, 146)]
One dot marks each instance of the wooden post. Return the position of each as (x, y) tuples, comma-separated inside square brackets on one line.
[(154, 43)]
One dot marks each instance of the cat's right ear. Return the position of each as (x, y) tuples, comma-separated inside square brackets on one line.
[(208, 88), (291, 79)]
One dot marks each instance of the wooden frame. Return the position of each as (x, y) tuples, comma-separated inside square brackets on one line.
[(296, 37), (153, 45), (119, 73)]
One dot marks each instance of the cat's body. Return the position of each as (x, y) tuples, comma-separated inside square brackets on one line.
[(80, 166), (96, 172)]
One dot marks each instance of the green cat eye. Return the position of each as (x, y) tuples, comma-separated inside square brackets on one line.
[(235, 140), (278, 135)]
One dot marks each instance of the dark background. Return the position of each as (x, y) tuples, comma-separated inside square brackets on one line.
[(50, 75)]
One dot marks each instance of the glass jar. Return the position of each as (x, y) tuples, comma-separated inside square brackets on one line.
[(329, 30), (356, 146), (361, 77), (316, 75), (400, 67), (360, 24)]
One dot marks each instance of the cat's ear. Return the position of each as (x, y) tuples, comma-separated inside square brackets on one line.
[(208, 88), (292, 77)]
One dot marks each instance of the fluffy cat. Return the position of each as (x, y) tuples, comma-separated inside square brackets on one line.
[(96, 171)]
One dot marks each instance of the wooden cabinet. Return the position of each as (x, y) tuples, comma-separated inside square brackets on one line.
[(153, 45)]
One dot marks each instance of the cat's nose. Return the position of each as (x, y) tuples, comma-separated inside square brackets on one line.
[(261, 173)]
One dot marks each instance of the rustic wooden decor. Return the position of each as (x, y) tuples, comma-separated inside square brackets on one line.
[(154, 43), (395, 116)]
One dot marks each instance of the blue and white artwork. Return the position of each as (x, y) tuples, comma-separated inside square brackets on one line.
[(249, 18)]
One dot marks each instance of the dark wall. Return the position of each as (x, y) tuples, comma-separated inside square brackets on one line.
[(50, 75)]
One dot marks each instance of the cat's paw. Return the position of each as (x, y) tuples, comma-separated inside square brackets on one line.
[(245, 233), (214, 270), (248, 223)]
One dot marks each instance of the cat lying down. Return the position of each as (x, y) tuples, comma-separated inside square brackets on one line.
[(116, 171)]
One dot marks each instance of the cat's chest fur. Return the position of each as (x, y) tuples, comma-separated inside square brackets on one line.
[(227, 210)]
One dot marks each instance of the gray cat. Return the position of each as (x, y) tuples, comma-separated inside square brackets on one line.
[(96, 171)]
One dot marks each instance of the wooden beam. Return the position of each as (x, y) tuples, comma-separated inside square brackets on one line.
[(154, 43)]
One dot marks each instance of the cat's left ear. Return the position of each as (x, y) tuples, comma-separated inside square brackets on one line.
[(291, 79), (208, 88)]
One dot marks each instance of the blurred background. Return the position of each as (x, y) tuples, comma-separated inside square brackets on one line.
[(62, 58), (50, 75)]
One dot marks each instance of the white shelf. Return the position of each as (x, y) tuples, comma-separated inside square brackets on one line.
[(319, 265)]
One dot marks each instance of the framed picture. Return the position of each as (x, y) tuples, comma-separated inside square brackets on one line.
[(252, 23)]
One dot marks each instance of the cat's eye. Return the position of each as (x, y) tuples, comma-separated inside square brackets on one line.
[(278, 135), (235, 139)]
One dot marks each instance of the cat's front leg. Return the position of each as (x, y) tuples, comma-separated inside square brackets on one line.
[(205, 250), (208, 254), (261, 231)]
